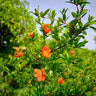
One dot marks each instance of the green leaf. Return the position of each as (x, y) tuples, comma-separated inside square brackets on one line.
[(73, 22), (64, 17), (84, 33), (33, 92), (88, 24), (69, 2), (94, 28), (62, 56), (83, 14), (80, 24), (82, 7), (41, 14), (46, 74), (36, 12), (82, 36), (82, 44), (50, 73), (74, 14), (83, 11), (38, 20), (61, 20), (90, 18), (85, 3), (46, 12), (79, 1), (53, 13)]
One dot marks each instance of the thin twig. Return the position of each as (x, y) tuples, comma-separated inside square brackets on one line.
[(52, 19)]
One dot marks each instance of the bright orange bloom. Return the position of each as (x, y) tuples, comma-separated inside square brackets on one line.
[(17, 48), (45, 52), (31, 34), (46, 28), (72, 52), (18, 54), (61, 81), (39, 74), (29, 82)]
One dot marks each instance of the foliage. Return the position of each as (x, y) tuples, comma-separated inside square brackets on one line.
[(53, 63), (15, 21)]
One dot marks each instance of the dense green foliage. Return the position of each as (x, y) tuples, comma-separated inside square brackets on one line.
[(77, 66), (15, 21), (79, 76)]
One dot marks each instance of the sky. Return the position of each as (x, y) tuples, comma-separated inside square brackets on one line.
[(58, 5)]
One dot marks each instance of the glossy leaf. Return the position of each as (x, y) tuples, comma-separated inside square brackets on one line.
[(74, 14), (64, 17), (41, 14), (53, 13), (61, 20), (83, 14), (46, 12), (73, 22), (85, 10), (36, 12), (94, 28), (82, 44)]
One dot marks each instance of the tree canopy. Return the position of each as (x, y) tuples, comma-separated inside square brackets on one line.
[(15, 22)]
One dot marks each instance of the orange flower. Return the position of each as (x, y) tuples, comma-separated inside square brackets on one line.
[(39, 74), (23, 49), (46, 28), (45, 52), (74, 62), (72, 52), (29, 82), (31, 34), (18, 54), (61, 81), (17, 48)]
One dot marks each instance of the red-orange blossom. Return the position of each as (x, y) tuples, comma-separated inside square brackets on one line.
[(61, 81), (31, 34), (46, 28), (39, 74), (45, 52)]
